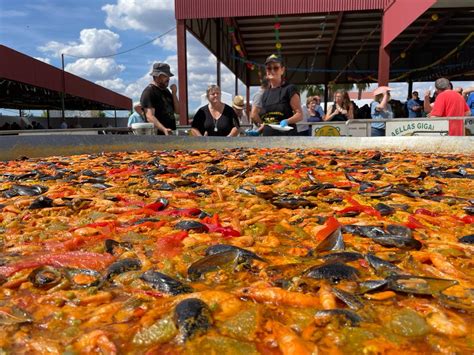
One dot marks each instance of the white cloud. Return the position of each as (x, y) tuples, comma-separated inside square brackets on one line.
[(95, 69), (92, 42), (46, 60), (112, 84), (141, 15), (168, 42)]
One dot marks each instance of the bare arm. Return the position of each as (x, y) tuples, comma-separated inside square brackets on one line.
[(426, 102), (234, 132), (329, 116), (255, 115), (174, 90), (350, 113), (383, 104), (150, 117), (195, 132), (295, 104)]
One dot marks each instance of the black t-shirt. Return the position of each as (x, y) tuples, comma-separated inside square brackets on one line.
[(203, 121), (162, 101)]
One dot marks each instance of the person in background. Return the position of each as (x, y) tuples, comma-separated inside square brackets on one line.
[(312, 112), (281, 104), (449, 103), (342, 108), (468, 95), (137, 115), (257, 127), (380, 109), (158, 102), (238, 104), (216, 118), (415, 106), (63, 124)]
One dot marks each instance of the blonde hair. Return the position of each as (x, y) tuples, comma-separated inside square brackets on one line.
[(212, 88)]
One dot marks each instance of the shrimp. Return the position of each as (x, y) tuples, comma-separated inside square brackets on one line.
[(440, 263), (447, 323), (326, 297), (95, 342), (289, 342), (278, 296)]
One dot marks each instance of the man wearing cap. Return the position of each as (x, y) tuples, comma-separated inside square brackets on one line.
[(159, 104)]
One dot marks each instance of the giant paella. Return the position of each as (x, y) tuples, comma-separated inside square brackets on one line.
[(237, 251)]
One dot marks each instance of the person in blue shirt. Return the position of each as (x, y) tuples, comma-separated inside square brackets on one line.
[(380, 109), (415, 106), (469, 95), (137, 115)]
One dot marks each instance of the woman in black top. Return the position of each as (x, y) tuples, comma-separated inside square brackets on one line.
[(216, 118), (342, 108), (281, 102)]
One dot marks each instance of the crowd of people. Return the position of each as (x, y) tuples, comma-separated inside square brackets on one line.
[(276, 107)]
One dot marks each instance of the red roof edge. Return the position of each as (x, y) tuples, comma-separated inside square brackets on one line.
[(19, 67)]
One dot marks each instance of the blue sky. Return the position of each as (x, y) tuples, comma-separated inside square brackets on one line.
[(46, 28), (89, 28)]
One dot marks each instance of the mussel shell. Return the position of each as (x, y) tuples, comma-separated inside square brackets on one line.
[(71, 273), (41, 202), (292, 202), (464, 303), (351, 317), (14, 315), (192, 316), (165, 283), (382, 267), (371, 285), (396, 241), (163, 201), (230, 258), (334, 272), (191, 225), (343, 257), (364, 231), (123, 265), (111, 245), (352, 301), (469, 210), (215, 170), (467, 239), (419, 285), (335, 241), (397, 229), (221, 248), (45, 277), (203, 192), (385, 210)]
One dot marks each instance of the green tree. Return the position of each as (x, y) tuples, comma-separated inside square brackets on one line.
[(311, 90), (361, 87)]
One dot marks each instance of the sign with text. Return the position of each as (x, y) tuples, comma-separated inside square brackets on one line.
[(417, 128), (339, 129)]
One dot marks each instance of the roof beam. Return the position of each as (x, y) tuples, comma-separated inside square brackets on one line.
[(334, 36)]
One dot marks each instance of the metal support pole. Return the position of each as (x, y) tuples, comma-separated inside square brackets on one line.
[(63, 93), (236, 89), (326, 97), (47, 119), (115, 117), (182, 72)]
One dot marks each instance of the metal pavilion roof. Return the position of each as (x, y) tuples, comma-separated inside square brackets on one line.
[(321, 45), (27, 83)]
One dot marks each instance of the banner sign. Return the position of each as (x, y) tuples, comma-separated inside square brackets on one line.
[(417, 128), (339, 129)]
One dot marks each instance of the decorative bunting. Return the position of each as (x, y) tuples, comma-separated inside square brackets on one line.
[(276, 28)]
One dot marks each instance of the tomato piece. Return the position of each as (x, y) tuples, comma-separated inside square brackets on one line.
[(329, 227)]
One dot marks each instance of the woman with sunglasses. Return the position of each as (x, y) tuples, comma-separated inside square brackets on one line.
[(216, 118), (281, 104)]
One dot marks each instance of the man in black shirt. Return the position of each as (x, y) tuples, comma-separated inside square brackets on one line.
[(158, 102)]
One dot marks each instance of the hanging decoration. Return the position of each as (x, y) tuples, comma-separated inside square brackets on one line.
[(276, 29), (237, 46)]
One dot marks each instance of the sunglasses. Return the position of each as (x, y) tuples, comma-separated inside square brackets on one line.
[(273, 67)]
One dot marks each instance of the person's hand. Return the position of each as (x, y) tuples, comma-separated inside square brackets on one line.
[(167, 131), (284, 123), (427, 93), (173, 88), (344, 112)]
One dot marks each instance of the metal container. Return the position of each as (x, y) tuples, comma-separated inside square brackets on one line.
[(13, 147)]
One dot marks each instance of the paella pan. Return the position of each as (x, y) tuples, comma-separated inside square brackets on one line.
[(242, 250)]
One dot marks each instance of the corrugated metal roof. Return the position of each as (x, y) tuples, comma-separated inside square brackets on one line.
[(192, 9), (18, 67)]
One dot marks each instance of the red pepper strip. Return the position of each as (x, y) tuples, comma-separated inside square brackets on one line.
[(170, 245), (426, 212), (213, 220), (225, 231), (356, 206), (128, 202), (156, 206), (184, 212), (329, 227), (78, 259), (273, 167), (148, 293), (413, 223), (466, 219)]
